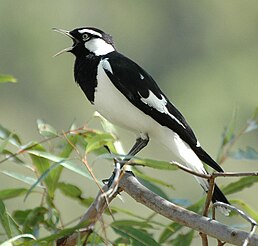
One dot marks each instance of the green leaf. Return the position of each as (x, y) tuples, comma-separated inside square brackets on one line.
[(31, 219), (169, 231), (183, 239), (11, 193), (106, 125), (12, 240), (21, 215), (240, 185), (42, 177), (163, 165), (48, 240), (4, 78), (228, 133), (8, 223), (70, 190), (72, 166), (133, 223), (46, 130), (42, 165), (67, 145), (252, 124), (12, 157), (35, 217), (248, 154), (12, 138), (250, 211), (138, 236), (151, 179), (126, 212), (24, 178), (98, 141), (157, 190)]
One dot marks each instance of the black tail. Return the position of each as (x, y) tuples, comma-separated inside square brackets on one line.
[(218, 196), (204, 156)]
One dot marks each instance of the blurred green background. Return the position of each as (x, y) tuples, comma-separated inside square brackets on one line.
[(203, 54)]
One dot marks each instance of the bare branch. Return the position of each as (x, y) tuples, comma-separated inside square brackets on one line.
[(182, 216), (141, 194)]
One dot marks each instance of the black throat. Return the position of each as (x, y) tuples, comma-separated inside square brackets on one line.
[(85, 74)]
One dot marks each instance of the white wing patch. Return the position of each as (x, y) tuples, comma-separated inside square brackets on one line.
[(106, 65), (98, 46), (85, 30), (141, 76), (159, 105)]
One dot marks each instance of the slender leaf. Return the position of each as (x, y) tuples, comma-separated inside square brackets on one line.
[(240, 185), (157, 190), (70, 190), (11, 193), (43, 166), (133, 223), (252, 124), (151, 179), (228, 133), (127, 212), (67, 145), (138, 236), (170, 230), (46, 130), (43, 176), (21, 215), (8, 223), (5, 78), (250, 211), (72, 166), (34, 218), (12, 138), (66, 149), (248, 154), (14, 158), (98, 141), (48, 240), (183, 239), (163, 165), (21, 177), (12, 240)]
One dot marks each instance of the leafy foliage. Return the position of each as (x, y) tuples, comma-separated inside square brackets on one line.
[(5, 78), (46, 161)]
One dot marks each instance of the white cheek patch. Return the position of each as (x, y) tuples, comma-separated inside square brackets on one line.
[(106, 65), (159, 105), (85, 30), (99, 46)]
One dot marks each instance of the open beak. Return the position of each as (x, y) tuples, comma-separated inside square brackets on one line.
[(66, 33)]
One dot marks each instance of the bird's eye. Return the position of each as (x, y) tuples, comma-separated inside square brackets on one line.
[(85, 37)]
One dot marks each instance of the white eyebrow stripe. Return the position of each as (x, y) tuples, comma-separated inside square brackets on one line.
[(90, 31), (159, 105)]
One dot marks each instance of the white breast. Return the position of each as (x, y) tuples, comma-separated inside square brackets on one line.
[(114, 106)]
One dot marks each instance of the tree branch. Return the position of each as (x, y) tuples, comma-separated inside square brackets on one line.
[(141, 194)]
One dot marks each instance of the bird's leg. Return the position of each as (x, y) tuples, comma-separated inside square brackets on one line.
[(140, 143), (137, 147)]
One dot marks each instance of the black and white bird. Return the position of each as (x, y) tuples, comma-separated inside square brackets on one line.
[(128, 96)]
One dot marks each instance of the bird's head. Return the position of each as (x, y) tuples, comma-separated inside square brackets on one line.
[(88, 40)]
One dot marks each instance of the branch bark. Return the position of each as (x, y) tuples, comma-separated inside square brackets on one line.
[(141, 194)]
